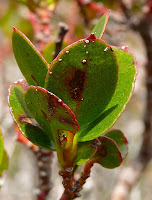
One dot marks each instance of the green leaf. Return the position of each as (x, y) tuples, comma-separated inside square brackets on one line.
[(125, 85), (24, 120), (3, 156), (108, 155), (50, 112), (31, 63), (120, 140), (84, 76), (85, 151), (49, 50), (4, 162), (100, 27), (1, 147)]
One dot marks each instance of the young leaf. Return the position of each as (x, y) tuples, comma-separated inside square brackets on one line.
[(25, 122), (108, 154), (100, 27), (84, 76), (85, 151), (49, 50), (125, 85), (50, 112), (120, 140), (31, 63)]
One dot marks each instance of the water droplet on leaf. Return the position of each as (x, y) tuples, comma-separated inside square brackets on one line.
[(84, 61), (106, 49), (67, 52), (87, 41)]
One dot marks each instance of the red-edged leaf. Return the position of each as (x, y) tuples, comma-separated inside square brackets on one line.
[(28, 126), (125, 85), (120, 140), (50, 112), (31, 63), (108, 154), (84, 76), (100, 27)]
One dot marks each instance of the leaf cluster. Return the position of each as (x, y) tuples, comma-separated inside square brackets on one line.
[(70, 104)]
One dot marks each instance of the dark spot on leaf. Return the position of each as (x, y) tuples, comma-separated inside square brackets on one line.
[(77, 83), (96, 143), (66, 121), (102, 150), (25, 119), (62, 138), (45, 115), (27, 54), (51, 105), (34, 79)]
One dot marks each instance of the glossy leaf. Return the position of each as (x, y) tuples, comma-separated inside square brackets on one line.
[(31, 63), (100, 27), (24, 120), (50, 112), (120, 140), (84, 76), (85, 151), (49, 50), (108, 155), (125, 85)]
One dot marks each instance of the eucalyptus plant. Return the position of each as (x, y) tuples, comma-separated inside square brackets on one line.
[(69, 105)]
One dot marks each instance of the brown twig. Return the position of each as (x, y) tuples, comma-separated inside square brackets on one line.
[(72, 186), (40, 20), (81, 6), (44, 159), (63, 29)]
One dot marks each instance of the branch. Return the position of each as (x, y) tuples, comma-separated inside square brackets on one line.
[(72, 186), (81, 6), (63, 29), (44, 160), (40, 20)]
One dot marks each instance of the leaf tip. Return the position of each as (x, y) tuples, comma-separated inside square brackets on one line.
[(14, 29)]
